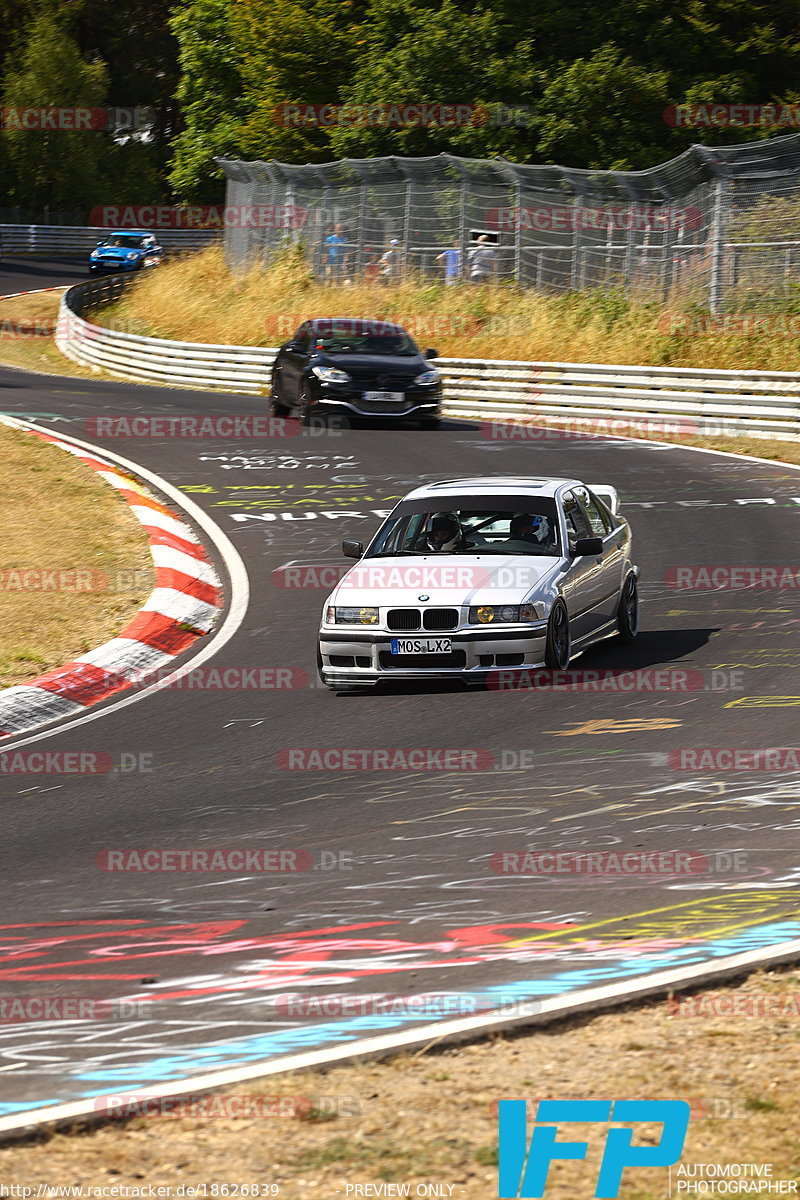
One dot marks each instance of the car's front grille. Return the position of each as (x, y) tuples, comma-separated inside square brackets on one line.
[(383, 406), (393, 662), (404, 619), (440, 618)]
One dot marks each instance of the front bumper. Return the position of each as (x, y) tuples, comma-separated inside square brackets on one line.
[(417, 402), (110, 266), (364, 655)]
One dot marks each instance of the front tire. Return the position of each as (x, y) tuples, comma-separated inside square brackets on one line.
[(628, 611), (558, 645), (305, 409), (276, 408)]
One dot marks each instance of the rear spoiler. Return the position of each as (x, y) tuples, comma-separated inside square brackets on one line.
[(608, 494)]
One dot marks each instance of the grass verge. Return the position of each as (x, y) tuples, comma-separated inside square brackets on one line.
[(25, 340), (75, 563), (196, 298), (431, 1117)]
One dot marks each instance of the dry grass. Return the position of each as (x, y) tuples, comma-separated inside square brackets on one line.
[(59, 516), (24, 338), (198, 299), (431, 1117)]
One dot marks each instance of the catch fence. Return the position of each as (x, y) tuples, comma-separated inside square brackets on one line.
[(719, 225)]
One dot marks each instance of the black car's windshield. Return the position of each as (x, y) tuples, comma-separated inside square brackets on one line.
[(470, 531), (366, 343), (126, 242)]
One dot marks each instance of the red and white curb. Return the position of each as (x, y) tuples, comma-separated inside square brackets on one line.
[(62, 287), (185, 604)]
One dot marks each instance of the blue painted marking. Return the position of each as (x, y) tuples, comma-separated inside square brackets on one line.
[(238, 1051)]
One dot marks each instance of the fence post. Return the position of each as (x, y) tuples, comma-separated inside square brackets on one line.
[(575, 276), (717, 247)]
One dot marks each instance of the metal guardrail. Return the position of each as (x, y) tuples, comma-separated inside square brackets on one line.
[(80, 239), (764, 403)]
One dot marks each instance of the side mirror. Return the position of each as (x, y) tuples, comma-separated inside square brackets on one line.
[(586, 547), (430, 354), (352, 550)]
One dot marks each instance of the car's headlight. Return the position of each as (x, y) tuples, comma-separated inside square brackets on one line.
[(331, 374), (351, 616), (427, 378), (131, 256), (487, 614)]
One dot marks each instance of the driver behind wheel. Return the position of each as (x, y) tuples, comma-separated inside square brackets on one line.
[(444, 534), (527, 528)]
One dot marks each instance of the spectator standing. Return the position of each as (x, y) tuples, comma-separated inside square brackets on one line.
[(451, 261), (335, 245), (482, 261), (389, 263)]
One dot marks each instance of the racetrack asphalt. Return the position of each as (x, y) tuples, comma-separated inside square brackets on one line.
[(410, 903)]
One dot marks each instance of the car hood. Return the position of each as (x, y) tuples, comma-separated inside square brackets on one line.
[(450, 579), (374, 364)]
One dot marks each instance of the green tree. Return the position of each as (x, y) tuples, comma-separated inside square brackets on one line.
[(299, 54), (603, 112), (212, 95), (415, 55), (59, 168)]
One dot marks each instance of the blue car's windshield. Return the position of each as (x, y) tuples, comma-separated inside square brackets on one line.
[(126, 242)]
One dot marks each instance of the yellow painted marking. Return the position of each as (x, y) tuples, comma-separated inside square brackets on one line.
[(631, 725), (764, 702), (670, 908)]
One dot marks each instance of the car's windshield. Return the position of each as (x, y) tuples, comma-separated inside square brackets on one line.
[(365, 343), (533, 530), (126, 241)]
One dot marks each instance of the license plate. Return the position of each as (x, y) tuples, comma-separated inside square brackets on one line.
[(376, 397), (421, 645)]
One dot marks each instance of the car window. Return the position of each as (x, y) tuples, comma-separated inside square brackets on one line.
[(302, 338), (487, 531), (595, 518), (577, 523)]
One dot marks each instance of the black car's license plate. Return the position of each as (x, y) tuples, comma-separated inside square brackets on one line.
[(421, 645)]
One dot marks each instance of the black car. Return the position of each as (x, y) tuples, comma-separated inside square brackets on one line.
[(356, 366)]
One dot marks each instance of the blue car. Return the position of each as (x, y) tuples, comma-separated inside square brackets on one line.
[(128, 251)]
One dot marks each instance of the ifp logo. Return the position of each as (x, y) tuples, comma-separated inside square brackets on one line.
[(523, 1170)]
